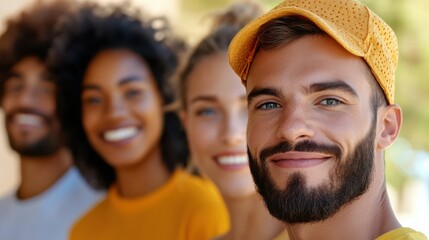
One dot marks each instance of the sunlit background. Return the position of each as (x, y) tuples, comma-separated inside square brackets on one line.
[(407, 161)]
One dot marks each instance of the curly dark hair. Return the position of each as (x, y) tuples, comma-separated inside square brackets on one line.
[(95, 28), (30, 33)]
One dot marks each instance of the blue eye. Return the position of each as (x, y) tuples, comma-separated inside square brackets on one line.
[(268, 106), (206, 112), (330, 102)]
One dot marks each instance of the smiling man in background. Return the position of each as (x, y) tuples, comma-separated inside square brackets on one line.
[(320, 84), (51, 194)]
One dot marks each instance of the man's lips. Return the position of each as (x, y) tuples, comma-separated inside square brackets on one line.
[(298, 159), (27, 120)]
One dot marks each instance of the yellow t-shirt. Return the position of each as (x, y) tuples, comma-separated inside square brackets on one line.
[(282, 236), (185, 208), (402, 234)]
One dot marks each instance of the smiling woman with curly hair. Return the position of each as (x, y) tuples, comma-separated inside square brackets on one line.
[(112, 66)]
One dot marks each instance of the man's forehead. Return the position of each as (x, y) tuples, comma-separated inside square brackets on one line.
[(313, 57), (29, 61), (30, 67)]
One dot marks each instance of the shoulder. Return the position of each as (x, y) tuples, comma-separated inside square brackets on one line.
[(96, 211), (284, 235), (89, 221), (71, 196), (8, 204), (7, 199), (203, 206), (81, 189), (196, 189), (403, 234)]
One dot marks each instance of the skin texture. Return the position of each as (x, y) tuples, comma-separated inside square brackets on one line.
[(120, 93), (32, 126), (215, 122), (289, 101)]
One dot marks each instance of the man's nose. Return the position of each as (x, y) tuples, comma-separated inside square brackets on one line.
[(295, 125)]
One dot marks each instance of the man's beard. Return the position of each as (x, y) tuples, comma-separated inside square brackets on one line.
[(296, 203), (45, 146)]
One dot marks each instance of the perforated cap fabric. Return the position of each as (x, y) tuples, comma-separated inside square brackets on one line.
[(359, 30)]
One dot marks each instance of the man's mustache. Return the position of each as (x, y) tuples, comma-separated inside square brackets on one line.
[(46, 118), (303, 146)]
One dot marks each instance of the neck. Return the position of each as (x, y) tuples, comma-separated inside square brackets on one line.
[(144, 177), (39, 173), (371, 213), (250, 219)]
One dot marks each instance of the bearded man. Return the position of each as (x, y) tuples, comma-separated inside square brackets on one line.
[(320, 79)]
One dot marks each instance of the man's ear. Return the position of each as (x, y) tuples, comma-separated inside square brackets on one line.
[(389, 124)]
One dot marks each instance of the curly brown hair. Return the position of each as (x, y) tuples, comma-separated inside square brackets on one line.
[(30, 33)]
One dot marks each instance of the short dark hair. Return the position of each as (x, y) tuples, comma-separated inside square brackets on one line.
[(92, 29), (30, 34), (281, 31)]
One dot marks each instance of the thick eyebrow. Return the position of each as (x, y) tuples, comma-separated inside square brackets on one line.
[(335, 85), (256, 92), (122, 82)]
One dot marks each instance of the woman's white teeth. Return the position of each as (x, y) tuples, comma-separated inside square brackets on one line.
[(120, 134), (28, 119), (233, 160)]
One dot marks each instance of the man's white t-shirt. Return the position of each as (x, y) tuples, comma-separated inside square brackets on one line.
[(50, 214)]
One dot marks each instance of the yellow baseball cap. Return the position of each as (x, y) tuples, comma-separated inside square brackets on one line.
[(359, 30)]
